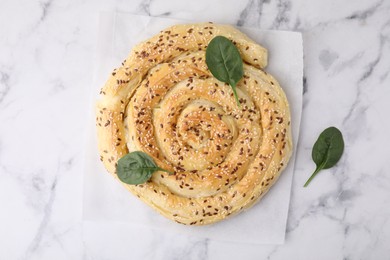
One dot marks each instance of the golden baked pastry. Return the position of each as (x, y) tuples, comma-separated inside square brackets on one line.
[(164, 101)]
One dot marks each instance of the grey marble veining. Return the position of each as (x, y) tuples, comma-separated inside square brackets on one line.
[(46, 55)]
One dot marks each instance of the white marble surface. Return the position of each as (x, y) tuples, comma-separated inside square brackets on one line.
[(46, 53)]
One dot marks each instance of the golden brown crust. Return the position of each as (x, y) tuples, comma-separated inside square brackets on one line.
[(164, 101)]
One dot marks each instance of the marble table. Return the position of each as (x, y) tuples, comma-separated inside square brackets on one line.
[(46, 54)]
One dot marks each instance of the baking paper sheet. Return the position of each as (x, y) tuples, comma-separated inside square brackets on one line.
[(107, 201)]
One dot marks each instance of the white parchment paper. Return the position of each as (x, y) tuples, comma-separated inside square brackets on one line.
[(106, 200)]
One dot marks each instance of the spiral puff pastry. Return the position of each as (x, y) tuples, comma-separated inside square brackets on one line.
[(164, 101)]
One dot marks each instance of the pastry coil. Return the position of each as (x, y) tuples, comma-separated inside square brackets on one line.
[(164, 101)]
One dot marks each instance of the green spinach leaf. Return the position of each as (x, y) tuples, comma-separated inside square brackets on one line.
[(224, 62), (327, 150), (136, 168)]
